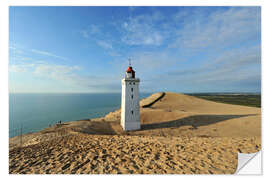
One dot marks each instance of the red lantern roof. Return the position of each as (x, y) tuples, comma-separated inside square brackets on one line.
[(130, 70)]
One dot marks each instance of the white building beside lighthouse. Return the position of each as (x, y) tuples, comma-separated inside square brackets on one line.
[(130, 107)]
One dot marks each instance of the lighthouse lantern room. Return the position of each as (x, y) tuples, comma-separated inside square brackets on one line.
[(130, 107)]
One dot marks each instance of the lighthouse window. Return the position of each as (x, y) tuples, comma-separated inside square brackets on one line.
[(134, 83), (132, 96), (131, 112), (131, 89), (129, 83)]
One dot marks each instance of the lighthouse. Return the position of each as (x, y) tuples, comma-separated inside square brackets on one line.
[(130, 107)]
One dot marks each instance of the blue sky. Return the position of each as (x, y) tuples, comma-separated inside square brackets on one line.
[(180, 49)]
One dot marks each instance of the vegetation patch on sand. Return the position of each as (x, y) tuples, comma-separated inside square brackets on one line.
[(253, 100), (179, 134)]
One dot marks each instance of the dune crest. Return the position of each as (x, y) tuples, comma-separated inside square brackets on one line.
[(179, 134), (182, 115)]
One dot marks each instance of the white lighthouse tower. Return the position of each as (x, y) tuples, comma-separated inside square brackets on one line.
[(130, 107)]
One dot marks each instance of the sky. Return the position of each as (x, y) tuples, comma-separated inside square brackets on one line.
[(179, 49)]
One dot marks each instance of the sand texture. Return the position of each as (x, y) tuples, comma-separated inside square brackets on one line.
[(179, 134)]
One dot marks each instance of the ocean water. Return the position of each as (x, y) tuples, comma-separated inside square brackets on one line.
[(33, 112)]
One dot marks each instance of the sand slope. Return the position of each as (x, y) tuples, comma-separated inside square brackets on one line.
[(183, 115), (180, 134)]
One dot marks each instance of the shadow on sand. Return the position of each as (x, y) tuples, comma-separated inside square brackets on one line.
[(97, 128), (150, 104), (105, 128), (194, 121)]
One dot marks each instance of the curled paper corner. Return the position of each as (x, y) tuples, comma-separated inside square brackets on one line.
[(249, 164)]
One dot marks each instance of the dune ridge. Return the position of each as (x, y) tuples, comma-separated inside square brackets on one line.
[(179, 134)]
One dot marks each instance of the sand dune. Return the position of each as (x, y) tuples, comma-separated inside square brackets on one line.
[(183, 115), (180, 134)]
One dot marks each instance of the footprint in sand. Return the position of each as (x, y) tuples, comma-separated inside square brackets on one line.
[(66, 166)]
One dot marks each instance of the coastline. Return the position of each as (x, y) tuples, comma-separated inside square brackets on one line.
[(179, 134), (34, 112), (145, 102)]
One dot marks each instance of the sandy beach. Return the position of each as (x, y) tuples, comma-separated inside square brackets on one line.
[(179, 134)]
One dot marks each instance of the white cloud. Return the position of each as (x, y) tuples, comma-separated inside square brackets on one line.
[(203, 30), (154, 61), (91, 30), (70, 76), (141, 30), (16, 68), (20, 57), (66, 76), (240, 65), (95, 32), (104, 44), (14, 50), (54, 70), (48, 54), (20, 68), (219, 28), (114, 54)]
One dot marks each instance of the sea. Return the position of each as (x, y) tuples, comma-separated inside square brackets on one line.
[(32, 112)]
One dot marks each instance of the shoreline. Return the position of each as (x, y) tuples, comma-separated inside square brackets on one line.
[(179, 134), (86, 107), (110, 123), (143, 104)]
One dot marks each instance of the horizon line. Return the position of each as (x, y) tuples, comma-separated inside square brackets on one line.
[(213, 92)]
